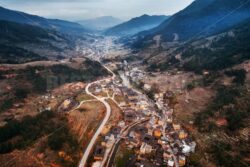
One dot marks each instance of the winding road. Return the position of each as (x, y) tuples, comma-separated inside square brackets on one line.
[(124, 133), (105, 120)]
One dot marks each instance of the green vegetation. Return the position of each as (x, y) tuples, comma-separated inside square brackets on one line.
[(38, 82), (21, 93), (6, 104), (22, 134), (231, 103), (205, 81), (83, 97), (48, 78), (154, 90), (220, 53), (239, 76), (89, 71), (224, 156), (150, 93), (169, 63), (227, 103), (39, 79), (16, 32), (123, 160), (13, 34), (47, 126), (13, 55), (235, 119), (223, 53), (194, 159), (59, 138), (191, 85)]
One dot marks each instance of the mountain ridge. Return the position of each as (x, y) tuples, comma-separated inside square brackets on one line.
[(136, 25), (21, 43), (53, 24), (200, 18)]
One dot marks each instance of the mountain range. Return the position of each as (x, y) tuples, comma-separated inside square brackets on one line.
[(213, 53), (21, 43), (52, 24), (206, 35), (200, 18), (135, 25)]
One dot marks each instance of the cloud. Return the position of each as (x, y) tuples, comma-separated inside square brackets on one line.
[(82, 9)]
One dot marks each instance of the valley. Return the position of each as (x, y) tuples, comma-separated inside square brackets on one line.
[(152, 91), (132, 114), (170, 97)]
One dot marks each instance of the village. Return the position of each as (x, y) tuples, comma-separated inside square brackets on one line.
[(147, 126)]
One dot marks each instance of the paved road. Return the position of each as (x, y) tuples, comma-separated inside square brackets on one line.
[(105, 120), (97, 133), (80, 104), (113, 74), (124, 133)]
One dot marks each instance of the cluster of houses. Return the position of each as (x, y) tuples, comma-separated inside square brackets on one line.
[(134, 73), (136, 107), (159, 141), (156, 142)]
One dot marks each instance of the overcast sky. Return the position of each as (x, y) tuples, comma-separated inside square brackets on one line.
[(83, 9)]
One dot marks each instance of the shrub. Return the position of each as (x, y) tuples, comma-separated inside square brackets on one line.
[(21, 93)]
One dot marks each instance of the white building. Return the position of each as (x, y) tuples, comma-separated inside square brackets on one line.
[(170, 163), (145, 148)]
